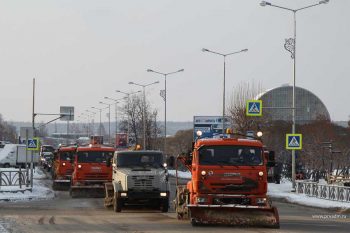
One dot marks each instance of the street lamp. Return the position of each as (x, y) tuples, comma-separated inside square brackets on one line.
[(100, 109), (116, 102), (109, 120), (144, 108), (88, 125), (164, 95), (290, 46), (223, 97), (128, 107)]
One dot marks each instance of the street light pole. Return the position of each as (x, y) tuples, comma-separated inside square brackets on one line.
[(100, 109), (116, 102), (109, 120), (290, 46), (128, 107), (144, 108), (165, 98), (224, 82), (93, 114)]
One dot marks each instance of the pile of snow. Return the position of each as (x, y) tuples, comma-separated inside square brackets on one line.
[(7, 150), (283, 190), (40, 190)]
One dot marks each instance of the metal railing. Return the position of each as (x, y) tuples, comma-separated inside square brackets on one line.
[(14, 180), (324, 191)]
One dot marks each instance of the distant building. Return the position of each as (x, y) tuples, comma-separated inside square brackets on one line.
[(308, 106)]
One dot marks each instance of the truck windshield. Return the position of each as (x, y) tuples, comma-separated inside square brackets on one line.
[(94, 156), (154, 160), (230, 155), (66, 155), (48, 149)]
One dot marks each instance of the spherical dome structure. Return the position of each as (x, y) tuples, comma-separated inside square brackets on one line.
[(278, 102)]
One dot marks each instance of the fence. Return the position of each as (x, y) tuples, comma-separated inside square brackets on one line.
[(14, 180), (324, 191)]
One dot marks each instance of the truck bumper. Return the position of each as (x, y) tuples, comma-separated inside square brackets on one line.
[(143, 195)]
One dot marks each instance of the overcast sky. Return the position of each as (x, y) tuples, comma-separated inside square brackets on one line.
[(80, 51)]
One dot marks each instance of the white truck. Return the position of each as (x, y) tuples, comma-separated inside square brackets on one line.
[(139, 178), (14, 155)]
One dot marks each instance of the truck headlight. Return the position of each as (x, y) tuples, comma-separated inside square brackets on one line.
[(202, 200), (261, 173), (163, 194), (64, 164), (123, 194), (79, 165), (261, 201)]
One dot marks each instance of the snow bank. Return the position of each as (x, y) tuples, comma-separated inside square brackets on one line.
[(283, 190), (40, 190)]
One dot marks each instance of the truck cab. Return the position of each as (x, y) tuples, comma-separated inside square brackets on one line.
[(90, 170), (62, 167), (139, 177), (228, 185)]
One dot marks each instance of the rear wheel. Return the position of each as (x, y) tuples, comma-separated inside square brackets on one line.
[(117, 203)]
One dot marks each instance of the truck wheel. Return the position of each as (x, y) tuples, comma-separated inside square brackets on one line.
[(165, 205), (117, 203), (7, 165)]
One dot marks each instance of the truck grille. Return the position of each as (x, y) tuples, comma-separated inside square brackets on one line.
[(69, 172), (145, 182), (96, 176)]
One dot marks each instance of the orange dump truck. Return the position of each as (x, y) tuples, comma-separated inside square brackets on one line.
[(91, 169), (228, 185), (62, 167)]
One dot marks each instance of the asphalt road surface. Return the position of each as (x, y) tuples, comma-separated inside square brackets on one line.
[(64, 214)]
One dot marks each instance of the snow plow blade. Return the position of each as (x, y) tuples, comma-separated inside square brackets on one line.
[(234, 215), (61, 185), (87, 191)]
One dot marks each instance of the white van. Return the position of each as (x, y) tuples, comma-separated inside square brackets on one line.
[(14, 155)]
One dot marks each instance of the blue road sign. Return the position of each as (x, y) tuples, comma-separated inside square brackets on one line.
[(254, 108), (33, 144), (294, 141)]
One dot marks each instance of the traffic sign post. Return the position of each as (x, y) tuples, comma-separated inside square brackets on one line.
[(33, 144), (294, 141), (254, 108)]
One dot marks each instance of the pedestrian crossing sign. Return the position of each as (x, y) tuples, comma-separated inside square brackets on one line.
[(33, 144), (294, 141), (254, 108)]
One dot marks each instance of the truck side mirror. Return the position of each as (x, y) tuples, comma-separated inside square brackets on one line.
[(271, 159), (189, 159)]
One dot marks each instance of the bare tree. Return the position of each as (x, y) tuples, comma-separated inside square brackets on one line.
[(134, 112), (7, 131), (237, 107)]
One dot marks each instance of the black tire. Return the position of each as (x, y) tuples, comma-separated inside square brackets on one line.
[(117, 203), (165, 205), (7, 165)]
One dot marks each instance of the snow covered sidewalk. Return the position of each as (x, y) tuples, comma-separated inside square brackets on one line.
[(40, 190)]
